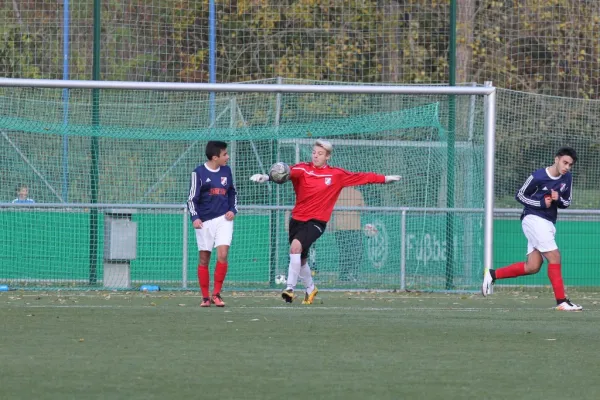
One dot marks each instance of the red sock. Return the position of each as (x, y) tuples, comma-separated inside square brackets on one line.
[(556, 280), (512, 271), (220, 272), (203, 280)]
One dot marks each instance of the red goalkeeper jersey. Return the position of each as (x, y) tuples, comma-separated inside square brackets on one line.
[(317, 189)]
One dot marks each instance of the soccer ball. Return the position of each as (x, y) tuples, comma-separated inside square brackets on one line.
[(279, 172), (280, 279), (370, 230)]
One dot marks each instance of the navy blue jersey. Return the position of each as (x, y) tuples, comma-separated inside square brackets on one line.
[(212, 193), (538, 185)]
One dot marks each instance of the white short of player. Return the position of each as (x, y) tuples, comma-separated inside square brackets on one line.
[(539, 233), (215, 232)]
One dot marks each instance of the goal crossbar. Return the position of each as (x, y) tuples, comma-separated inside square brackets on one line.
[(244, 87)]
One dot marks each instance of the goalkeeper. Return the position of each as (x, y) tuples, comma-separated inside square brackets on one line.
[(317, 186)]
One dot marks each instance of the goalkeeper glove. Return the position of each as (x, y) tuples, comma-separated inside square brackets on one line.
[(392, 178), (259, 178)]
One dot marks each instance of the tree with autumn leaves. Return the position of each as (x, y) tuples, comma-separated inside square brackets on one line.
[(540, 46)]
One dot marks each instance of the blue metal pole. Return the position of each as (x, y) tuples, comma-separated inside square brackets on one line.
[(212, 44), (66, 26)]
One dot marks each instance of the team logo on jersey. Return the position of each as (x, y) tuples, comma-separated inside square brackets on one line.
[(563, 186), (223, 180), (207, 180), (328, 181)]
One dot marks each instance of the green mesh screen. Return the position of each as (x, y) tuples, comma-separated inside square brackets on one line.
[(134, 153), (530, 129)]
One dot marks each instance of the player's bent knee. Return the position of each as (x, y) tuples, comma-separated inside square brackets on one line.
[(532, 271), (296, 247), (204, 257), (532, 268), (553, 257), (222, 253)]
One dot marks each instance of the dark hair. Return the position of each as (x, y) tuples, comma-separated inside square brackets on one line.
[(214, 148), (567, 151)]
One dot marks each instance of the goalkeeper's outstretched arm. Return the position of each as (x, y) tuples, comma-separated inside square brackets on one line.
[(262, 178), (364, 178)]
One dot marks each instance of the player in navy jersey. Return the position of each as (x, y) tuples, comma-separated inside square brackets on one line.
[(542, 194), (212, 204), (317, 186)]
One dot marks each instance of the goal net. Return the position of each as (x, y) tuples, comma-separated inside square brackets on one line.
[(108, 171)]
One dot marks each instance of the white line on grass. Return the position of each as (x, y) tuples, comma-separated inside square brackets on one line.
[(292, 308)]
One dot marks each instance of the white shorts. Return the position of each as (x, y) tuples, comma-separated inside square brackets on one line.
[(539, 233), (215, 232)]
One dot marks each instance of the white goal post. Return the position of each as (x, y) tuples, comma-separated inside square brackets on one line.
[(487, 92)]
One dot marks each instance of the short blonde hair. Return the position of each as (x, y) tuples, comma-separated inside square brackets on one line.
[(324, 144)]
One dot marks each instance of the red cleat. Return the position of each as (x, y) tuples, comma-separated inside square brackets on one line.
[(205, 302), (217, 300)]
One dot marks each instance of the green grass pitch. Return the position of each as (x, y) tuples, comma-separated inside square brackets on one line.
[(131, 345)]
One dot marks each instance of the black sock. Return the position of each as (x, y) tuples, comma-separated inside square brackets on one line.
[(558, 301), (493, 274)]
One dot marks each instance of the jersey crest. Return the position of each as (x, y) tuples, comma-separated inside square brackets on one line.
[(224, 180), (328, 181)]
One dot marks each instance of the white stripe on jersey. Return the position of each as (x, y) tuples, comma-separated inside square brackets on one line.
[(192, 193), (234, 200), (524, 199)]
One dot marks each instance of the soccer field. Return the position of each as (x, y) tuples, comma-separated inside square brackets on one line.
[(347, 346)]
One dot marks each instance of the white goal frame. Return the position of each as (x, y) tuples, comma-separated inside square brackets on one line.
[(487, 91)]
